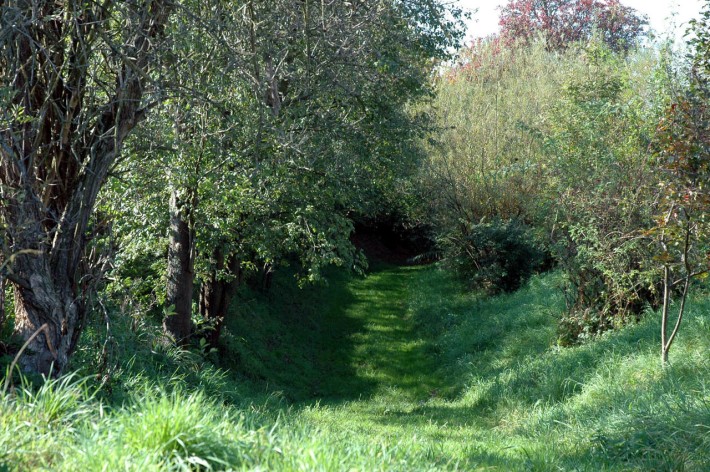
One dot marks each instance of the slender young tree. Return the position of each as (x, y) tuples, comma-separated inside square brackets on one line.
[(683, 152)]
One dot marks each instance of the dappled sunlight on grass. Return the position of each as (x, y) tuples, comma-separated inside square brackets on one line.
[(399, 370), (505, 396), (390, 349)]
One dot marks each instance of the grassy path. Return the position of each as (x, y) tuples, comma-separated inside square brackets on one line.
[(455, 381), (401, 370), (387, 353), (410, 392)]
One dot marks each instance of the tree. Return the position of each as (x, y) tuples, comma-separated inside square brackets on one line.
[(330, 89), (290, 118), (683, 155), (75, 80), (563, 22)]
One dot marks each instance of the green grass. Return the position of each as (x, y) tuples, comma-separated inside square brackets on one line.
[(401, 370)]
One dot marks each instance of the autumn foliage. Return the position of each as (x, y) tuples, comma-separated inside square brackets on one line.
[(565, 21)]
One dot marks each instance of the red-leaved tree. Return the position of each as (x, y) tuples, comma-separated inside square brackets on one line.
[(565, 21)]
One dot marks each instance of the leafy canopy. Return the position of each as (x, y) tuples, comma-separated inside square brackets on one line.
[(562, 22)]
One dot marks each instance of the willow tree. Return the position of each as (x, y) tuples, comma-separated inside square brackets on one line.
[(74, 82)]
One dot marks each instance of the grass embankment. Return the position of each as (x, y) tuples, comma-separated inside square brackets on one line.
[(399, 370)]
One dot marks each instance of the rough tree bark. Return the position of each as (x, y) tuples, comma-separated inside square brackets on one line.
[(217, 292), (72, 77), (180, 272), (2, 290)]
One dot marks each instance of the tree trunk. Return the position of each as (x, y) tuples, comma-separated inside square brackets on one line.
[(51, 280), (53, 164), (217, 292), (180, 272), (2, 289), (51, 300)]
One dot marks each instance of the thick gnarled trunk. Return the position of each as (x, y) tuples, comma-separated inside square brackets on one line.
[(45, 275), (58, 146), (3, 317), (48, 300)]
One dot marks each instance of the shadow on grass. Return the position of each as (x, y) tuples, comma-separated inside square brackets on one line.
[(334, 343), (297, 341)]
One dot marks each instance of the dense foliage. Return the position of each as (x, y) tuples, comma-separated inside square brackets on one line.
[(190, 190), (564, 22), (564, 136), (496, 255), (317, 131), (264, 127)]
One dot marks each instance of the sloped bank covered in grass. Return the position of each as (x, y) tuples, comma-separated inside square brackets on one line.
[(404, 371), (511, 399)]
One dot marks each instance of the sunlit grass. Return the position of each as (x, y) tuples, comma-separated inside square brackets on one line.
[(416, 374), (510, 399)]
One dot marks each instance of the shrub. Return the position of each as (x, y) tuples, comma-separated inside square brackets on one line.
[(496, 256), (601, 190)]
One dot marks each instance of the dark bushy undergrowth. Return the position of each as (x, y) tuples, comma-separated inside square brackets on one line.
[(496, 256)]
